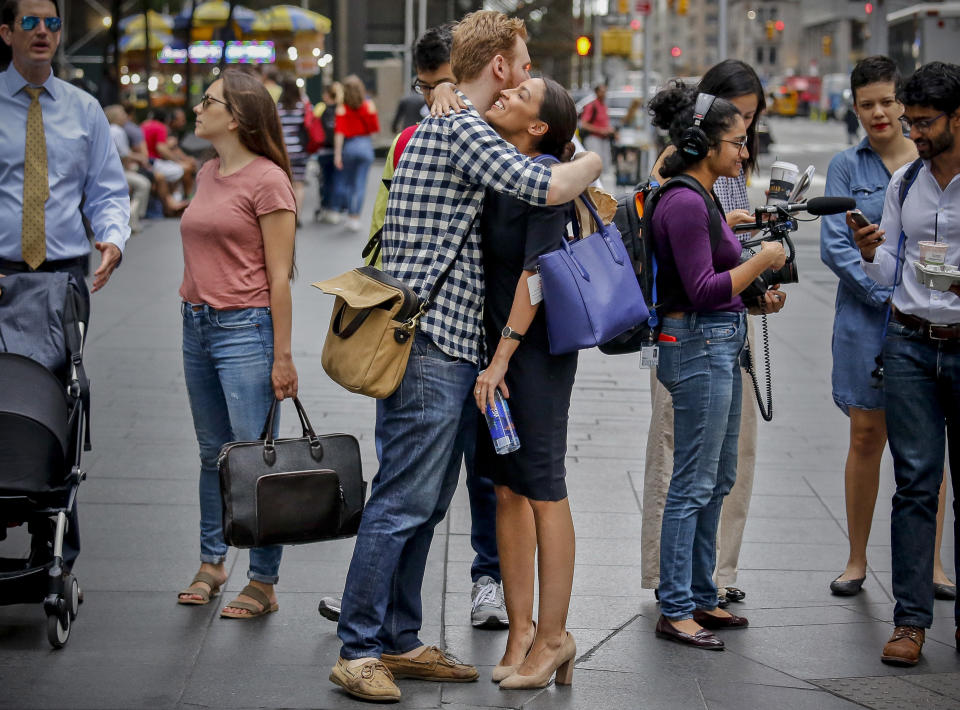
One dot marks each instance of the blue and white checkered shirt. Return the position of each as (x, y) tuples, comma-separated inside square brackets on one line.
[(436, 193)]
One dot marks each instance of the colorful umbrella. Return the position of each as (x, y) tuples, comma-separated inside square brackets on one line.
[(137, 42), (289, 18), (136, 23), (213, 13)]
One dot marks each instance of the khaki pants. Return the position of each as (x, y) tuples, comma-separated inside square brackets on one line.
[(658, 470)]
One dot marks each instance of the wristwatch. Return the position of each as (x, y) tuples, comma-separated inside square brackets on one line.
[(510, 333)]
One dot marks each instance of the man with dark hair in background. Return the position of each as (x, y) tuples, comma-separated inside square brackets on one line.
[(921, 354), (55, 150)]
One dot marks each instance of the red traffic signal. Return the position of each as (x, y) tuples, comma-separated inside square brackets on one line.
[(779, 25), (675, 51)]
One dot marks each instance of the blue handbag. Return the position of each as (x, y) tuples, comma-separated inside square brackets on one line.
[(590, 291)]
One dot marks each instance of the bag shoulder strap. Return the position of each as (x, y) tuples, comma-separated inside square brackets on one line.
[(714, 208), (909, 177)]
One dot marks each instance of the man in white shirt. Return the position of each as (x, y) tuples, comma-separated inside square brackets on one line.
[(921, 353)]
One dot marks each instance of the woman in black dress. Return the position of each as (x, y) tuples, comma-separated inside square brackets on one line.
[(533, 513)]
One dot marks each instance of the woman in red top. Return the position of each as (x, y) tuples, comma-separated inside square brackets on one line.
[(352, 148), (238, 239)]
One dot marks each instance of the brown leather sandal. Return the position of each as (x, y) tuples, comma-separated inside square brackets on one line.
[(196, 589), (266, 606)]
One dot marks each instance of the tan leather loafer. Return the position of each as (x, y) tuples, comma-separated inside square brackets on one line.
[(369, 681), (903, 648), (432, 664)]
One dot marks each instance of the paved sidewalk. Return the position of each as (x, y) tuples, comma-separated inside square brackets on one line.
[(132, 646)]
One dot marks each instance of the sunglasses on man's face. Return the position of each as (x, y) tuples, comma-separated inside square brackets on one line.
[(30, 22)]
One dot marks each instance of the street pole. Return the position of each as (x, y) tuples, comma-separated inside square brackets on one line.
[(597, 51), (722, 28), (408, 40)]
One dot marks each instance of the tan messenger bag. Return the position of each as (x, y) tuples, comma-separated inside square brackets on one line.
[(371, 331)]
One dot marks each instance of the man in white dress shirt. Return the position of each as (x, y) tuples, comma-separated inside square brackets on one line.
[(921, 353)]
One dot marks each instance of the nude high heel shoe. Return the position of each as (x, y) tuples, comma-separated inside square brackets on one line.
[(563, 665), (501, 671)]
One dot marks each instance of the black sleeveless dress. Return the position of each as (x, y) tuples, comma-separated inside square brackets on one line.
[(514, 234)]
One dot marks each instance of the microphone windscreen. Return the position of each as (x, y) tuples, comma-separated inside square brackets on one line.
[(830, 205)]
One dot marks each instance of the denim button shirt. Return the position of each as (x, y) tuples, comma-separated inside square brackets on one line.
[(856, 172)]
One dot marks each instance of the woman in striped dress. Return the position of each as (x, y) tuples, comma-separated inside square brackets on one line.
[(291, 107)]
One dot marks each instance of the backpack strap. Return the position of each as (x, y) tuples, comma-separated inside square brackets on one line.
[(909, 177)]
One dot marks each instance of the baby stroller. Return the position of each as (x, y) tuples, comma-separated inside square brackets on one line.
[(44, 413)]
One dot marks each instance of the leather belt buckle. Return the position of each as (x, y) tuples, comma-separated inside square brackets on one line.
[(932, 328)]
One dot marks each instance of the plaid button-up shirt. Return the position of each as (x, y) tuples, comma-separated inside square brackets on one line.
[(435, 196)]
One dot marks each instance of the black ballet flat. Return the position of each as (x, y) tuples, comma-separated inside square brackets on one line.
[(849, 588)]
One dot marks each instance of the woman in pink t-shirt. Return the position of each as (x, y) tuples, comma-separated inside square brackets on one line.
[(238, 244)]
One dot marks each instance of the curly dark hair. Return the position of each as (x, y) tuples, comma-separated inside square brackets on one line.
[(936, 84), (433, 48), (672, 110)]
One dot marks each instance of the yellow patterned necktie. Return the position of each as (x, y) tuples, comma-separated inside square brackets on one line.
[(36, 187)]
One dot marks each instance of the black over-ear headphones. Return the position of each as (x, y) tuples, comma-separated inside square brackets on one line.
[(694, 142)]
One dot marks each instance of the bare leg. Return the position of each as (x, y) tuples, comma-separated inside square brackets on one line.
[(868, 436), (556, 546), (517, 543), (939, 576)]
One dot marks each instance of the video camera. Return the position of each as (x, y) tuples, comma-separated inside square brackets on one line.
[(775, 222)]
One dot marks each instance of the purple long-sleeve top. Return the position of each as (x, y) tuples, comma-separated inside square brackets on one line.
[(681, 242)]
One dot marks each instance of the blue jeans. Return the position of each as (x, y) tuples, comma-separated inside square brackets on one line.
[(352, 180), (422, 429), (701, 369), (227, 360), (922, 388), (328, 181), (483, 516)]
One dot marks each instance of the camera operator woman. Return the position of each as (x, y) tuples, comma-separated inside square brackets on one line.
[(863, 172), (704, 329), (739, 84)]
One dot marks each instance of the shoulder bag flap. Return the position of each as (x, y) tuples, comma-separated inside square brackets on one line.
[(368, 287)]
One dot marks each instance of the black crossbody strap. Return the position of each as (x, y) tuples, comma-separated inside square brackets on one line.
[(438, 284)]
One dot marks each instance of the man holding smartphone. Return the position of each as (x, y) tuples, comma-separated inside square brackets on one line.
[(921, 353)]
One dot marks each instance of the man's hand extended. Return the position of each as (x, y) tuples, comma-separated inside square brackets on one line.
[(109, 260)]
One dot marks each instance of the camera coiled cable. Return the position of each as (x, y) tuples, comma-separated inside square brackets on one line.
[(765, 412)]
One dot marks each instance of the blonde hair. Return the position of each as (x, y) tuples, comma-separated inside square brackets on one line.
[(354, 92), (479, 37)]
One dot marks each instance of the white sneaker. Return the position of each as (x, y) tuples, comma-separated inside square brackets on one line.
[(353, 224), (489, 611), (330, 217)]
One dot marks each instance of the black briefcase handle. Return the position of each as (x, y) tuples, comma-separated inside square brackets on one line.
[(266, 436)]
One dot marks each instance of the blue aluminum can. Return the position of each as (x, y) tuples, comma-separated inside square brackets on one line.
[(502, 430)]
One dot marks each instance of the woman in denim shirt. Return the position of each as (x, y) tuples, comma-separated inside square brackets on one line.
[(863, 172)]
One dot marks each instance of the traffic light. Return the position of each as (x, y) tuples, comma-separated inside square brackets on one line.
[(584, 45), (682, 6), (868, 8), (826, 44), (675, 52), (623, 6), (779, 25), (770, 29)]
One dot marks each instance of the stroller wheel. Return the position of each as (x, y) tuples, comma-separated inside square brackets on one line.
[(58, 630), (71, 594)]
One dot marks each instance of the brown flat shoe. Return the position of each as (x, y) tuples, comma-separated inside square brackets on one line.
[(903, 648), (702, 639), (709, 621), (432, 664), (369, 681)]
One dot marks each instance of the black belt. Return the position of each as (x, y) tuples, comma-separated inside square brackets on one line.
[(930, 331), (49, 265)]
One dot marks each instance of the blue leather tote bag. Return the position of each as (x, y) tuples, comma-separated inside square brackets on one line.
[(590, 291)]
